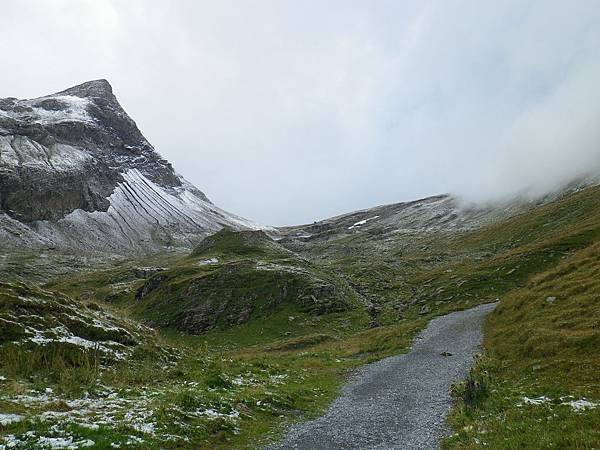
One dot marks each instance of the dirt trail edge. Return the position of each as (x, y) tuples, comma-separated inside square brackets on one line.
[(399, 402)]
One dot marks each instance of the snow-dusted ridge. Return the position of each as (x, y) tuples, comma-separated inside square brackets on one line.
[(77, 174), (141, 214), (442, 213), (47, 110)]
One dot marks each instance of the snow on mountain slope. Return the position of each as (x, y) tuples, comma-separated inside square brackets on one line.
[(442, 213), (143, 214), (20, 151), (49, 110), (76, 173), (439, 213)]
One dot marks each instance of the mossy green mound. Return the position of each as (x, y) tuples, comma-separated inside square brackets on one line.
[(233, 277)]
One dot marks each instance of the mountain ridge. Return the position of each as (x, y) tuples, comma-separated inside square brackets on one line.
[(77, 173)]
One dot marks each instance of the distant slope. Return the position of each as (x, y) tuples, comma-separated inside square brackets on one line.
[(76, 173), (441, 213)]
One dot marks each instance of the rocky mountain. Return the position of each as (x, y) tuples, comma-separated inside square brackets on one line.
[(428, 216), (441, 213), (77, 173)]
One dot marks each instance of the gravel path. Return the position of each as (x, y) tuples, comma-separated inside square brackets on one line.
[(400, 402)]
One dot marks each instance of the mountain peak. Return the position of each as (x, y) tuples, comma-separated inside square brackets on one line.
[(76, 172), (93, 88)]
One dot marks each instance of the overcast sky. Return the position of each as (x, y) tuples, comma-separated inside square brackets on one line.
[(291, 111)]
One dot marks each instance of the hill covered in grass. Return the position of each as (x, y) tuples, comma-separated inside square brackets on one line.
[(229, 279), (233, 277), (537, 379), (256, 333)]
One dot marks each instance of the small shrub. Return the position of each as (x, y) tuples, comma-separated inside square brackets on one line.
[(189, 400), (475, 390)]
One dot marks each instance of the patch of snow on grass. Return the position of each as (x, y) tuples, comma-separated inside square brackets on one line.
[(206, 262), (7, 419), (212, 414), (68, 443), (134, 440), (576, 405), (362, 222), (10, 441), (277, 379), (238, 381), (105, 409), (32, 400), (262, 265), (536, 401), (580, 405), (62, 334), (146, 428)]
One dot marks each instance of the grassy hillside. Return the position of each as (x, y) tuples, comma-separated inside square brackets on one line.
[(280, 329), (538, 379), (541, 364), (232, 388), (42, 330), (231, 278)]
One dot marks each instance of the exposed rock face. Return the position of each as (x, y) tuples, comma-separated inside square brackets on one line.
[(76, 172)]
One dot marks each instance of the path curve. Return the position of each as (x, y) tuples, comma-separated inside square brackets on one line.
[(399, 402)]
